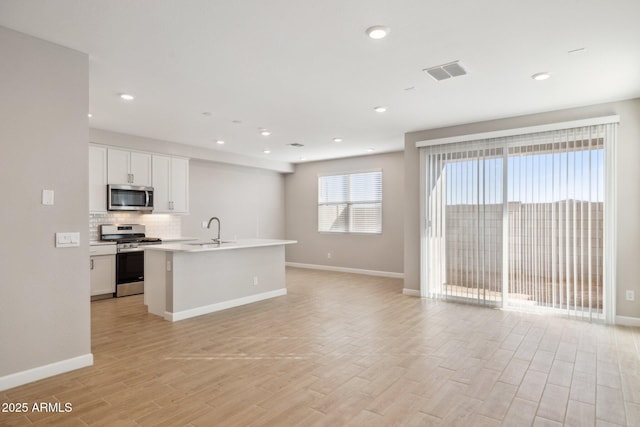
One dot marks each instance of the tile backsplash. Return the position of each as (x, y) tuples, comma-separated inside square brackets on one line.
[(158, 225)]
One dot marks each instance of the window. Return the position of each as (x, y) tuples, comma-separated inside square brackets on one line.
[(350, 203)]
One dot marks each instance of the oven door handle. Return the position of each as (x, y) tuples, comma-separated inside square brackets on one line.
[(126, 250)]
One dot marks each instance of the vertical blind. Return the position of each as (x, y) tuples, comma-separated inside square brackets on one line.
[(519, 221), (464, 222), (350, 203)]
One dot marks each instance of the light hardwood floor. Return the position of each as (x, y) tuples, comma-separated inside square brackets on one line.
[(344, 349)]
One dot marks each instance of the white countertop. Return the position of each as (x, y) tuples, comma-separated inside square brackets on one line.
[(204, 246), (178, 239), (100, 243), (168, 240)]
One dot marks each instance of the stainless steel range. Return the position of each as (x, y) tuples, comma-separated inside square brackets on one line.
[(130, 242)]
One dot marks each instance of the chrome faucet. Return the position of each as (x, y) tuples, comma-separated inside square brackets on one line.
[(217, 240)]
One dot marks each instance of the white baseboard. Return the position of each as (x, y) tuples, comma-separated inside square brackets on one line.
[(346, 270), (627, 321), (41, 372), (212, 308), (411, 292)]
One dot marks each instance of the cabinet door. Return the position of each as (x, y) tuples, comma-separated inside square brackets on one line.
[(179, 185), (97, 179), (161, 167), (103, 274), (141, 169), (118, 166)]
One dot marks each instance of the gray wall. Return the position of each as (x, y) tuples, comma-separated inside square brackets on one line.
[(627, 175), (362, 251), (249, 202), (44, 291)]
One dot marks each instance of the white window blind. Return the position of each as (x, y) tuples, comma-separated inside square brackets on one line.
[(350, 203), (520, 220)]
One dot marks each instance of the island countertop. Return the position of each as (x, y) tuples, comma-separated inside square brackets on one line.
[(207, 246), (187, 279)]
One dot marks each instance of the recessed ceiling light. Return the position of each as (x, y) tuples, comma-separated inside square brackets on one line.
[(337, 140), (126, 96), (219, 142), (380, 109), (89, 115), (267, 151), (295, 145), (378, 32), (303, 158), (541, 76), (265, 132), (370, 150)]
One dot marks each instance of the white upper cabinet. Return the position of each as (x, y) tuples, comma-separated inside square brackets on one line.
[(141, 169), (180, 184), (97, 179), (119, 161), (161, 170), (129, 167), (169, 177), (170, 184)]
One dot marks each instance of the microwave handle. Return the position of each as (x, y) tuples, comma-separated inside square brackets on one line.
[(146, 193)]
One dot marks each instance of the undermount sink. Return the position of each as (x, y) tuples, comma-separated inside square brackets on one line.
[(209, 243)]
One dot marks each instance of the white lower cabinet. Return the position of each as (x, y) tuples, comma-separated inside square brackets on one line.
[(102, 265)]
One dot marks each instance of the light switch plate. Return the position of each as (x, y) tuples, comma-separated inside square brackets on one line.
[(67, 240), (47, 197)]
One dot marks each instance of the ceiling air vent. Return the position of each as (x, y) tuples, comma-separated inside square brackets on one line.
[(445, 71), (295, 145)]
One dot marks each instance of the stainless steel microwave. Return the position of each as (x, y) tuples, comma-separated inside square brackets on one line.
[(129, 198)]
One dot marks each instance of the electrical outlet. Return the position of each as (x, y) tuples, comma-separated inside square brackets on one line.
[(631, 296), (255, 280), (328, 255)]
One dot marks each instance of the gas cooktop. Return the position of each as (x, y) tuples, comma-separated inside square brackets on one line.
[(126, 233)]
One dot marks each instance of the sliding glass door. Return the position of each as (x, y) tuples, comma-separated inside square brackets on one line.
[(556, 202), (464, 223), (518, 221)]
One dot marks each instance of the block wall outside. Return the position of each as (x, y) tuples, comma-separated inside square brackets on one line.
[(544, 238)]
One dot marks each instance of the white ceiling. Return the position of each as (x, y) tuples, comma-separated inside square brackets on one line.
[(306, 71)]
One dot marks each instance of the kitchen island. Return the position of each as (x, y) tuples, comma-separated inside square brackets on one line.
[(188, 279)]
